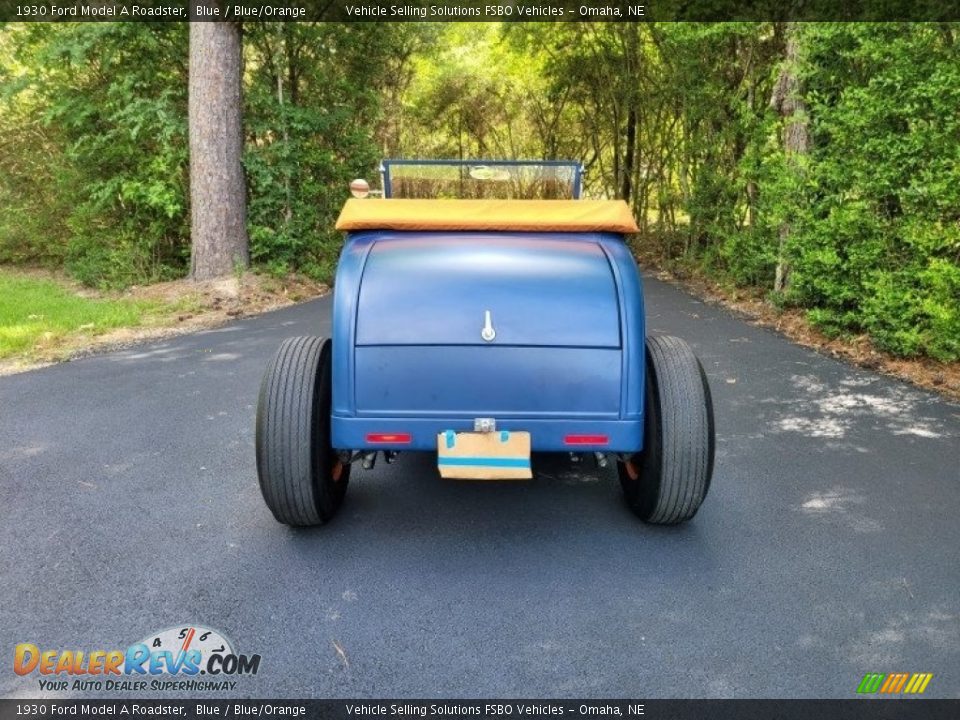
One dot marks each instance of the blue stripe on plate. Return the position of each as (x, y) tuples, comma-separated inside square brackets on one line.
[(485, 462)]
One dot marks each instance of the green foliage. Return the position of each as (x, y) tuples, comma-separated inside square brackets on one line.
[(879, 246), (677, 119), (111, 98), (916, 310), (94, 151), (865, 226), (314, 99), (31, 165)]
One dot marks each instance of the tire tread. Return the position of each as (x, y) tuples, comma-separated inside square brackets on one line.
[(292, 435), (678, 461)]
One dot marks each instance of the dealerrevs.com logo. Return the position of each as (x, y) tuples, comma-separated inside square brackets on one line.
[(186, 657)]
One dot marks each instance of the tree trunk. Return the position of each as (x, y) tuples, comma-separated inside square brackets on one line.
[(751, 183), (217, 188), (283, 58), (629, 159), (788, 101)]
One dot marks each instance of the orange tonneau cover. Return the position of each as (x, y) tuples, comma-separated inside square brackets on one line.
[(523, 215)]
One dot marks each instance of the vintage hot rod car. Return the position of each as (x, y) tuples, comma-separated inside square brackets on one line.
[(485, 329)]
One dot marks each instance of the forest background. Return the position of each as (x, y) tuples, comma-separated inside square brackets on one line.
[(815, 164)]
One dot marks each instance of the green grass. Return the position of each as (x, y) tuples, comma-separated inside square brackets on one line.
[(38, 315)]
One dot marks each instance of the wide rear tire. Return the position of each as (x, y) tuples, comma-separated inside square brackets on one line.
[(667, 482), (302, 479)]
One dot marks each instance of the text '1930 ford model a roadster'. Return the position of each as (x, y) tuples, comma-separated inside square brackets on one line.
[(483, 330)]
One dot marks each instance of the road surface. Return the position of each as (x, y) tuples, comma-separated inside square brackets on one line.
[(829, 545)]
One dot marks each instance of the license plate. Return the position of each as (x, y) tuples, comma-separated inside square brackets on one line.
[(498, 455)]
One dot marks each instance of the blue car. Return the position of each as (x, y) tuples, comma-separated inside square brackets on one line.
[(476, 322)]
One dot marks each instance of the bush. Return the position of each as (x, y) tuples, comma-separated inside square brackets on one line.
[(879, 249), (110, 157)]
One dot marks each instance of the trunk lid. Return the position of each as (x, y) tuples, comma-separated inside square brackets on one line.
[(437, 289)]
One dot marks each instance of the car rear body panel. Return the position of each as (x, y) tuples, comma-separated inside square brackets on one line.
[(410, 358)]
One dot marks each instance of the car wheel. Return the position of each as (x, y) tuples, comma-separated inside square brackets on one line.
[(666, 482), (302, 479)]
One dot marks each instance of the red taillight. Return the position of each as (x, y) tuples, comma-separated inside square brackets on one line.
[(585, 439), (399, 438)]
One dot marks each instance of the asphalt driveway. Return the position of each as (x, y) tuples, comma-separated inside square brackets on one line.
[(829, 546)]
